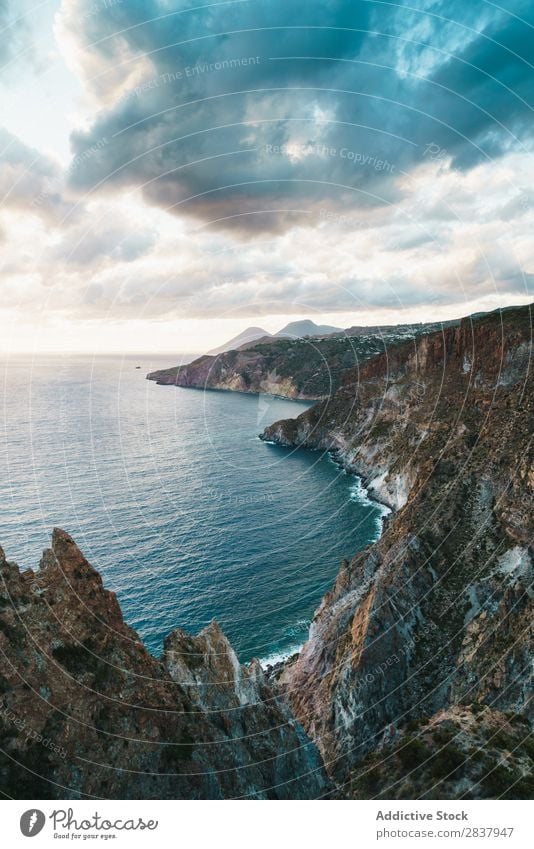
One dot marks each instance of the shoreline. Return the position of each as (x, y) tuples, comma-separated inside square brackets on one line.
[(336, 455), (275, 663), (277, 660), (339, 459), (302, 399)]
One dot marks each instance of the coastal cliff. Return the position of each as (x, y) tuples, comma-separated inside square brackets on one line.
[(303, 369), (416, 680), (430, 629), (86, 711)]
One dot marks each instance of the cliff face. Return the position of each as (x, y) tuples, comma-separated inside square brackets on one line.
[(467, 751), (416, 678), (305, 369), (438, 613), (85, 710)]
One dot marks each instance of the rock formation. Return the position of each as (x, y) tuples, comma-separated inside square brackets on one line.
[(306, 369), (416, 679), (437, 615), (86, 711)]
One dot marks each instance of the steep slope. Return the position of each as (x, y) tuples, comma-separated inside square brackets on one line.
[(251, 334), (307, 369), (87, 711), (468, 751), (438, 613)]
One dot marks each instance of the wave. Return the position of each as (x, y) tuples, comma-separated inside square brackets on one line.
[(281, 654), (359, 493)]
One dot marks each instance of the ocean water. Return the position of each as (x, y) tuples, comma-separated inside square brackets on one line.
[(172, 496)]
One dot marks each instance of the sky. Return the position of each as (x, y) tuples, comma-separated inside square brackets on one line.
[(173, 171)]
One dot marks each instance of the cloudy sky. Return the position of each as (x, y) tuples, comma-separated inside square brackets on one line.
[(172, 171)]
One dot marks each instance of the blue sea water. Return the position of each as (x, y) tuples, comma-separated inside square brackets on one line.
[(172, 496)]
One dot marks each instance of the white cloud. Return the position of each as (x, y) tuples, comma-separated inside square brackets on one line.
[(421, 237)]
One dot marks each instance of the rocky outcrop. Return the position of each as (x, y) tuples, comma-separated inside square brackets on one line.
[(464, 752), (416, 679), (306, 369), (438, 613), (86, 711)]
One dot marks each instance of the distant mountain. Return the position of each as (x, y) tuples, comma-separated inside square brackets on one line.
[(263, 340), (244, 338), (295, 330), (298, 329)]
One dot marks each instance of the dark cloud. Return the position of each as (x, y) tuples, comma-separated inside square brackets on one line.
[(248, 114), (354, 92), (495, 74), (31, 181), (93, 242)]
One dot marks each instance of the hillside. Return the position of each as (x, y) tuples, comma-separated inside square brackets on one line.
[(307, 369), (87, 711), (436, 617), (247, 337), (416, 680)]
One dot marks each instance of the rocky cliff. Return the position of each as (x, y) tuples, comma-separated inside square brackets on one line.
[(416, 680), (432, 624), (307, 369), (86, 711)]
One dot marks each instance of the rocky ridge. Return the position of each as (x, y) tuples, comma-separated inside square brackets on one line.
[(86, 711), (468, 751), (305, 369), (438, 613), (416, 680)]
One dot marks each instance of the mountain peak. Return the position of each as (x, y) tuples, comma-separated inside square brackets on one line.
[(306, 327), (247, 336)]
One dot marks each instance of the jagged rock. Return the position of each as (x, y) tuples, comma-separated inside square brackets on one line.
[(290, 368), (86, 711), (439, 611), (426, 632), (208, 669), (465, 752)]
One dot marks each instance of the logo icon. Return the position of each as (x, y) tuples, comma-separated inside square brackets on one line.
[(32, 822)]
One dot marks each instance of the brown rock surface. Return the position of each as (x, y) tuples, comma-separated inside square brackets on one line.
[(418, 658), (303, 369), (86, 711), (465, 752), (438, 613)]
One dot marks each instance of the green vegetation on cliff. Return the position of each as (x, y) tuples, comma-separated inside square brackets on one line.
[(309, 368)]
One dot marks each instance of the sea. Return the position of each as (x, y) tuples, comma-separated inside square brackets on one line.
[(173, 497)]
